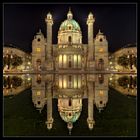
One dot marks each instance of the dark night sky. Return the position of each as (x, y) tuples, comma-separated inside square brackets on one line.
[(116, 21)]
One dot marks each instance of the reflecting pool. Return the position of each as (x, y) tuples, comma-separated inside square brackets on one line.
[(70, 104)]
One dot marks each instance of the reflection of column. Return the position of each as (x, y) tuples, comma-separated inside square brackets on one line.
[(73, 61), (49, 121), (90, 119), (83, 62)]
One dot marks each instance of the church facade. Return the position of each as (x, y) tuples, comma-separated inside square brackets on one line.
[(69, 53)]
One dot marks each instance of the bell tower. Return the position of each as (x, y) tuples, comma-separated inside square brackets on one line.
[(101, 51), (91, 91), (49, 47), (91, 53)]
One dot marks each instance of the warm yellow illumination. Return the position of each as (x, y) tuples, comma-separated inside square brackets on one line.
[(29, 78), (110, 63), (101, 93), (38, 49), (64, 60), (27, 67), (101, 50), (75, 81), (60, 81), (60, 60), (38, 93), (29, 63), (110, 78), (79, 61), (75, 61), (64, 82), (79, 81)]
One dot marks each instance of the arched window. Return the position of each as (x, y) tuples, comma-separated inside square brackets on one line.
[(101, 79), (38, 102), (38, 64), (101, 102), (69, 64), (101, 64), (69, 39), (69, 27), (38, 39), (101, 39)]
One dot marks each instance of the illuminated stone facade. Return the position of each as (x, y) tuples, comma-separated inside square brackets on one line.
[(129, 51), (69, 53), (70, 90)]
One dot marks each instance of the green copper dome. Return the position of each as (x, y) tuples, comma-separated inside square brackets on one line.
[(67, 117), (70, 24)]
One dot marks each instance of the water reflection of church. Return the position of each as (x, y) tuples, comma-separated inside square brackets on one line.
[(70, 54), (70, 89)]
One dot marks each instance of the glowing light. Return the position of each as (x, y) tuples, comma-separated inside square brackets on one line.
[(64, 61), (64, 58), (27, 67), (38, 49), (110, 78), (79, 81), (38, 93), (101, 93), (110, 63), (29, 63), (29, 79), (79, 60), (101, 50), (64, 82), (75, 81), (75, 61), (60, 82), (60, 60)]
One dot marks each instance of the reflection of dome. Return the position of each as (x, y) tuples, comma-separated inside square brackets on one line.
[(70, 24), (69, 109), (70, 116)]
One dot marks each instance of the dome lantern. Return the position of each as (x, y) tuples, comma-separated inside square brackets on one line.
[(69, 15)]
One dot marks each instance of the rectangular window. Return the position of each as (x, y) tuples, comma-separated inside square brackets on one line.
[(38, 49), (38, 93), (64, 81), (75, 81), (79, 81), (60, 81), (75, 61), (69, 102), (64, 61), (79, 61), (60, 61)]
